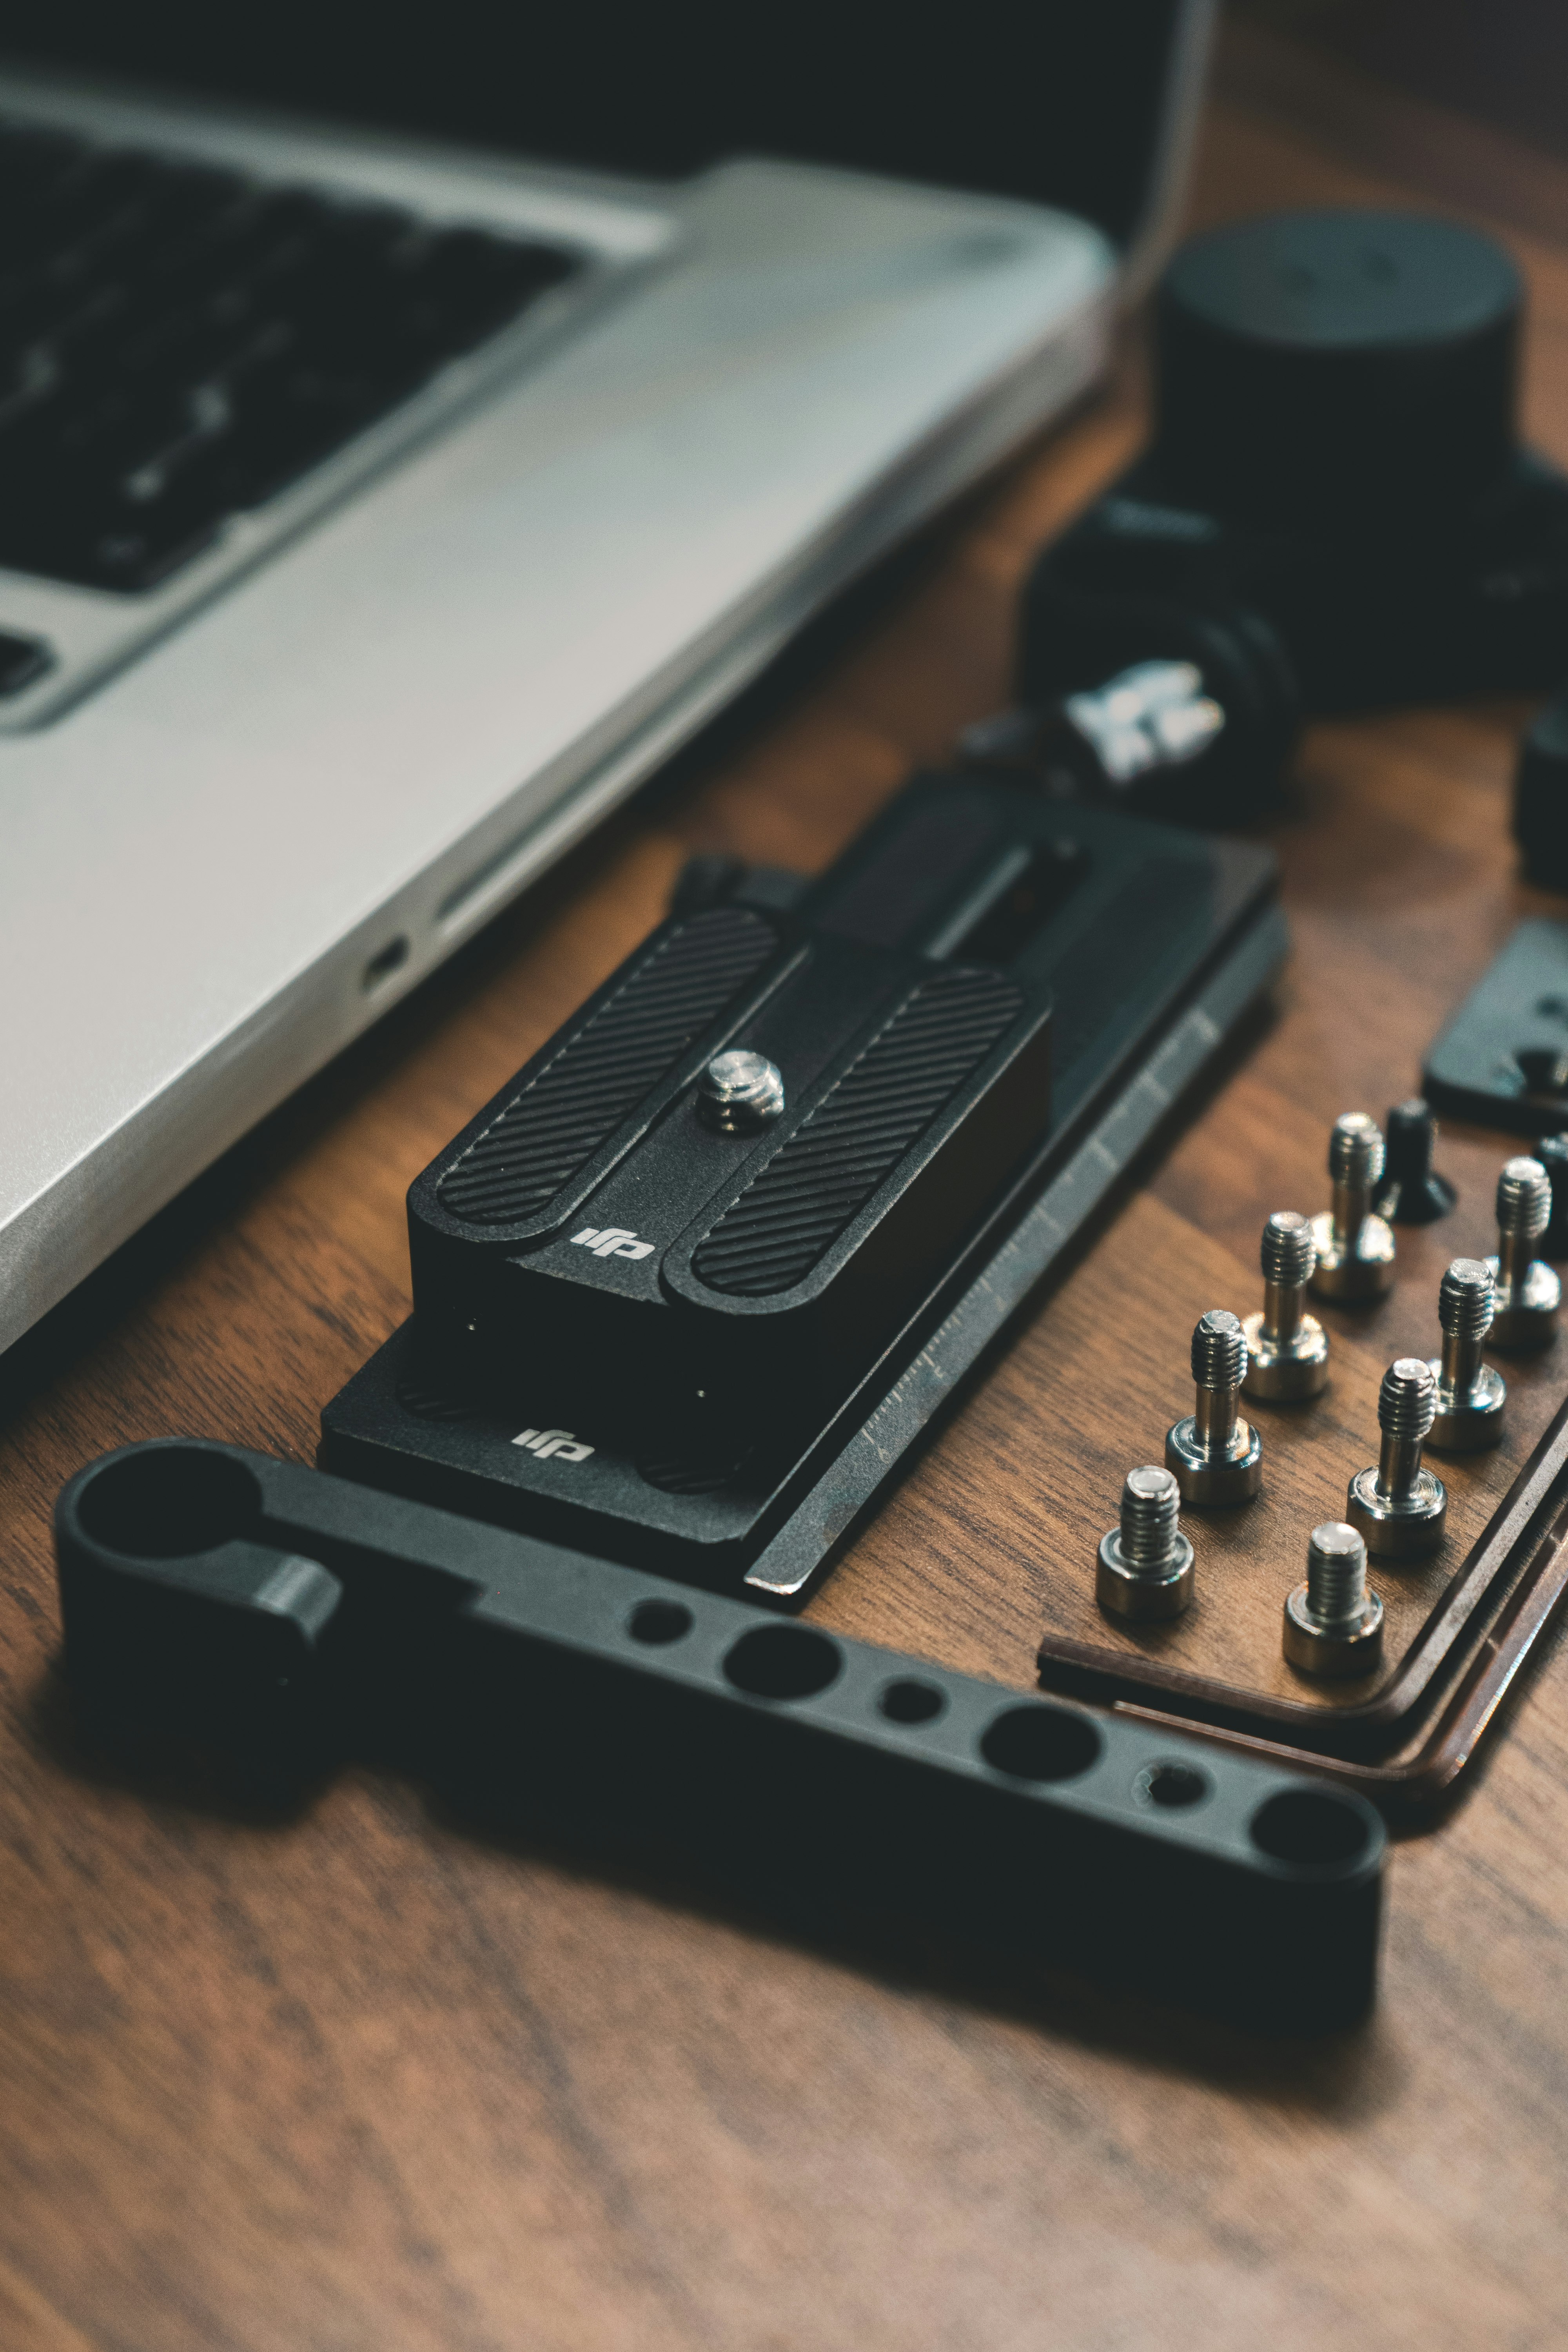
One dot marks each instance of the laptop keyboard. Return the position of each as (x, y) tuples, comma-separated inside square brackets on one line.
[(179, 343)]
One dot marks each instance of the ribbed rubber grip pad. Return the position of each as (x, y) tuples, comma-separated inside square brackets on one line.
[(574, 1103), (795, 1209)]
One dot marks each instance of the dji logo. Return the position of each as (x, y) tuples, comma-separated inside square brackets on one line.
[(546, 1442), (614, 1241)]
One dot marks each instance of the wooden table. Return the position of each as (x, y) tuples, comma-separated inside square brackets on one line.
[(359, 2080)]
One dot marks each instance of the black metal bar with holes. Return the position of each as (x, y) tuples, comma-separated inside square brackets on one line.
[(261, 1606)]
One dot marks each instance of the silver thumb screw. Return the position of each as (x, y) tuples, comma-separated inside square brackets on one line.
[(1333, 1626), (1527, 1292), (1214, 1456), (1470, 1394), (1144, 1567), (1287, 1349), (1400, 1509), (1355, 1248)]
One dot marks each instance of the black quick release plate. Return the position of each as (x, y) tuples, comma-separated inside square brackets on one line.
[(290, 1620), (1156, 943)]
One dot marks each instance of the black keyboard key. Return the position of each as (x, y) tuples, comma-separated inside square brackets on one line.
[(21, 660), (178, 344)]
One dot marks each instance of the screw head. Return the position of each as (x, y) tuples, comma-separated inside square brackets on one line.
[(1355, 1650), (1526, 1312), (1282, 1373), (1135, 1595), (739, 1092), (1467, 1424), (1213, 1481), (1364, 1272), (1406, 1529)]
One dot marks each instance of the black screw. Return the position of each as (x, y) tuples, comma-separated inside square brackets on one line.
[(1411, 1193)]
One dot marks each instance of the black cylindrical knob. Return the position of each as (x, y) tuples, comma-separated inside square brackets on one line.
[(1411, 1191), (1324, 367)]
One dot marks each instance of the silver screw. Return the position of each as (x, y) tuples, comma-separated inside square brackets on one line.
[(1355, 1248), (1527, 1292), (1287, 1349), (1399, 1508), (1216, 1456), (739, 1092), (1333, 1626), (1470, 1395), (1144, 1567)]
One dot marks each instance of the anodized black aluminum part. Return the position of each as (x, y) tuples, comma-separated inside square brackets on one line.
[(715, 1272), (1502, 1058), (1335, 500), (1152, 944), (266, 1609)]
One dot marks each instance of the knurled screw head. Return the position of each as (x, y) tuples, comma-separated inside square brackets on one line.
[(1529, 1292), (1215, 1458), (1287, 1349), (1144, 1567), (1355, 1248), (1398, 1506), (739, 1091), (1333, 1626)]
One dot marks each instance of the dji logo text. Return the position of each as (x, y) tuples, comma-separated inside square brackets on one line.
[(546, 1442), (614, 1241)]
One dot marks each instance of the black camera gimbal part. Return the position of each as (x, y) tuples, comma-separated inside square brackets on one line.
[(704, 1353), (264, 1608), (1502, 1058), (1334, 503)]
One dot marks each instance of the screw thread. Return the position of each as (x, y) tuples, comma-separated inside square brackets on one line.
[(1336, 1575), (1466, 1299), (1219, 1352), (740, 1090), (1407, 1401), (1288, 1252), (1355, 1151), (1523, 1199), (1151, 1501)]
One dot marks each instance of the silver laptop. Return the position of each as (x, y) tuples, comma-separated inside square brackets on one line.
[(378, 508)]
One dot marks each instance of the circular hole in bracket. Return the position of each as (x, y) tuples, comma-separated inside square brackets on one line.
[(166, 1502), (1041, 1743), (1310, 1826), (1171, 1786), (909, 1701), (659, 1621), (783, 1662)]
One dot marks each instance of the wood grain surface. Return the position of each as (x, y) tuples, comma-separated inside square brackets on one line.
[(359, 2082)]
